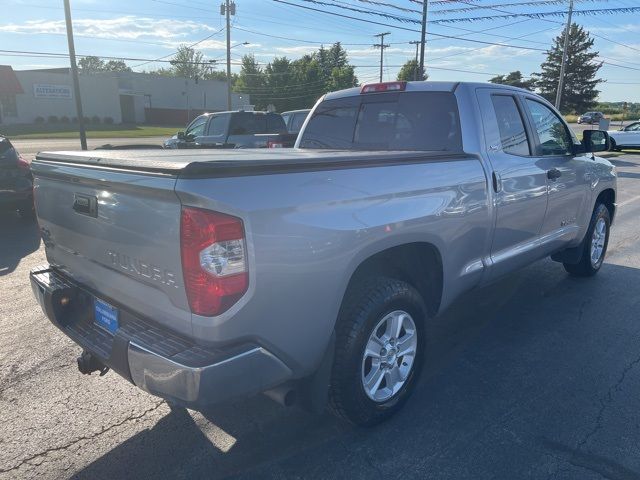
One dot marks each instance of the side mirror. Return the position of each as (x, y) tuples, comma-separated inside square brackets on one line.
[(180, 135), (595, 141)]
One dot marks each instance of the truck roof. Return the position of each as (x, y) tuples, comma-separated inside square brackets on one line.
[(426, 86)]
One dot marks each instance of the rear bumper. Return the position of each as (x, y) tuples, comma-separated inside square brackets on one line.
[(154, 359)]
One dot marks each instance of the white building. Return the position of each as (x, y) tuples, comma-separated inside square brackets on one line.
[(121, 97)]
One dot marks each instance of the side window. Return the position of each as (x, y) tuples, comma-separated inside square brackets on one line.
[(218, 125), (552, 132), (248, 124), (298, 120), (513, 136), (196, 128)]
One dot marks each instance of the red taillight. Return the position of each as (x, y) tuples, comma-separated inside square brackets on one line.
[(274, 144), (23, 164), (384, 87), (214, 261)]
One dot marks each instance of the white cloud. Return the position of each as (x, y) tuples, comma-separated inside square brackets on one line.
[(128, 27)]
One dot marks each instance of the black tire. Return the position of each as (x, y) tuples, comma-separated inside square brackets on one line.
[(586, 267), (363, 308)]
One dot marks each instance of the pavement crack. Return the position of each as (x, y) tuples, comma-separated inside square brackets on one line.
[(606, 400), (83, 438)]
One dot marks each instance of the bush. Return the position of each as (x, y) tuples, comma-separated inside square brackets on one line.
[(95, 120), (52, 119), (108, 121), (74, 119), (39, 120), (64, 119)]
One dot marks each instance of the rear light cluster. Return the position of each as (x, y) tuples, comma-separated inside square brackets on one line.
[(23, 164), (214, 260), (274, 144), (384, 87)]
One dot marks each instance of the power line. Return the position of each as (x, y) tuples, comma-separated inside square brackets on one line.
[(409, 29), (540, 15)]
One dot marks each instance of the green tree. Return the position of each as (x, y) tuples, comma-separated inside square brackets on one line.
[(252, 80), (96, 64), (189, 63), (580, 81), (514, 79), (409, 72)]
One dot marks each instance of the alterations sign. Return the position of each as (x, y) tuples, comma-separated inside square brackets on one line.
[(42, 90)]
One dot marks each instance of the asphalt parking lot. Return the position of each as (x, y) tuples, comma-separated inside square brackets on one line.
[(537, 376)]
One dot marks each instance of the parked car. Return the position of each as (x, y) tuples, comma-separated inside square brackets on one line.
[(314, 272), (591, 117), (234, 130), (626, 137), (295, 119), (16, 181)]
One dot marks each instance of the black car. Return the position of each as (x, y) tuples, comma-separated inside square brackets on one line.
[(16, 181), (590, 117)]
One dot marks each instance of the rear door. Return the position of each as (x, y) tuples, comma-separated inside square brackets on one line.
[(519, 181), (567, 183)]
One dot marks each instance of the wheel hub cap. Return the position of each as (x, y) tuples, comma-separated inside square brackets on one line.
[(389, 356), (597, 241)]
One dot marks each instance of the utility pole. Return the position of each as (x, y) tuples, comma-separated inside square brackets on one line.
[(381, 46), (228, 8), (423, 37), (74, 75), (563, 65), (415, 70)]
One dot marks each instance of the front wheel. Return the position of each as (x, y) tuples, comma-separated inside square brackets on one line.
[(380, 343), (595, 247)]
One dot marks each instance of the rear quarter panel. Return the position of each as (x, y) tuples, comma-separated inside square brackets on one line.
[(308, 232)]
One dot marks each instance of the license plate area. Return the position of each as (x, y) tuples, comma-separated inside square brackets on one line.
[(105, 315)]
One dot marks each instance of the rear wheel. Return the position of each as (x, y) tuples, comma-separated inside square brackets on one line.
[(595, 247), (380, 343)]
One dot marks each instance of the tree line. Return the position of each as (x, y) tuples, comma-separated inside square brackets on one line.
[(286, 84)]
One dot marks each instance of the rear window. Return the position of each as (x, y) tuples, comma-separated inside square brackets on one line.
[(276, 124), (389, 121), (248, 124)]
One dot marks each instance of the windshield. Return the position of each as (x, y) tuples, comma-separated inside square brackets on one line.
[(390, 121)]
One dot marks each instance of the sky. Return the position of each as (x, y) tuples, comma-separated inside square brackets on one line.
[(150, 29)]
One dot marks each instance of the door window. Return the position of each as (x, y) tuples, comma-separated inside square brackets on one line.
[(298, 120), (218, 125), (513, 136), (196, 128), (634, 127), (552, 132)]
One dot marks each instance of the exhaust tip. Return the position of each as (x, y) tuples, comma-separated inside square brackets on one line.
[(285, 395)]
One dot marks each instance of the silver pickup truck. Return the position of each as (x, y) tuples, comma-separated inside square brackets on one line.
[(314, 274)]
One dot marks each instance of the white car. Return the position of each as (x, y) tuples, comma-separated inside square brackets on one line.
[(626, 137)]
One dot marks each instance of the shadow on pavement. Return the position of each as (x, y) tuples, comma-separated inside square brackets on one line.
[(517, 372), (18, 238)]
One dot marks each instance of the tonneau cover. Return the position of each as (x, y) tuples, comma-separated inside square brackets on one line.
[(220, 163)]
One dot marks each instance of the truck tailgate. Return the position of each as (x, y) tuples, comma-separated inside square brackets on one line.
[(117, 232)]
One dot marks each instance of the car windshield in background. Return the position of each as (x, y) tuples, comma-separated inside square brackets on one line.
[(391, 121)]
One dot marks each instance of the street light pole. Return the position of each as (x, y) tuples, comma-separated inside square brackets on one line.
[(382, 46), (563, 65), (415, 70), (423, 36), (229, 8), (74, 75)]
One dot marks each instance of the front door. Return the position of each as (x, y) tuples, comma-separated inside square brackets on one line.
[(567, 184), (518, 181)]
